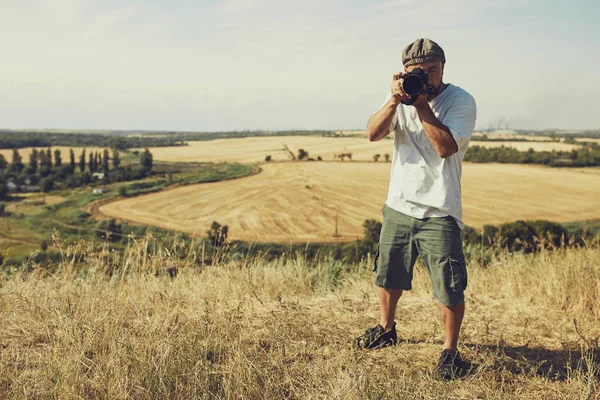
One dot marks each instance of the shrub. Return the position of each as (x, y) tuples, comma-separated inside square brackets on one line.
[(47, 185), (217, 234)]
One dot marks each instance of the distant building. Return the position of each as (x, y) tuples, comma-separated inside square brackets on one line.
[(12, 187), (99, 175), (99, 191)]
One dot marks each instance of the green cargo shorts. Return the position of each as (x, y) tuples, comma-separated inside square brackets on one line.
[(437, 240)]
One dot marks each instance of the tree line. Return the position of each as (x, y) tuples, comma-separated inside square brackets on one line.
[(46, 169), (18, 140), (518, 236), (123, 141), (588, 155)]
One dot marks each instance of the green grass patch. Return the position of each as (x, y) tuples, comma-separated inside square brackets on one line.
[(72, 223)]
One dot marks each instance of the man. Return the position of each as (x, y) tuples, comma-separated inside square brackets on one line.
[(423, 212)]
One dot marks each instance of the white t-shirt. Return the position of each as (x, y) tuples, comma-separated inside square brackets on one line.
[(422, 184)]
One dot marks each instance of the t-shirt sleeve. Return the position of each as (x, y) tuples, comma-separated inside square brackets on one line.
[(394, 123), (461, 118)]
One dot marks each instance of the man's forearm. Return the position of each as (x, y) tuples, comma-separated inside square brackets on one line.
[(378, 126), (439, 135)]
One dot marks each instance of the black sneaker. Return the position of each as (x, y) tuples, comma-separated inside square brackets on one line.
[(376, 338), (452, 366)]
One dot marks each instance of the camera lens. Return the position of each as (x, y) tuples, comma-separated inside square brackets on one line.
[(412, 85)]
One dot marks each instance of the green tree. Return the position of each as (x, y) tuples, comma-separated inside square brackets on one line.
[(82, 161), (33, 161), (45, 163), (57, 158), (16, 157), (517, 236), (105, 161), (302, 154), (86, 178), (146, 160), (3, 163), (72, 160), (115, 158), (372, 230), (3, 191), (548, 234), (91, 162), (48, 158), (16, 166), (47, 185)]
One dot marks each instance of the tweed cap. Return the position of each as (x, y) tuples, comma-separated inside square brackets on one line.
[(421, 51)]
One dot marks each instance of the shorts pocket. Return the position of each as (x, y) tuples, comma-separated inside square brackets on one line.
[(457, 274), (449, 221), (376, 259)]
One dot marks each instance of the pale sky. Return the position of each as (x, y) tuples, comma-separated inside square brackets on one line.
[(275, 64)]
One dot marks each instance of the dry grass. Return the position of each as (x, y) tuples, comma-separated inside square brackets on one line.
[(255, 330), (299, 201)]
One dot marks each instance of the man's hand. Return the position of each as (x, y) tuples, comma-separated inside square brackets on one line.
[(398, 94), (421, 101)]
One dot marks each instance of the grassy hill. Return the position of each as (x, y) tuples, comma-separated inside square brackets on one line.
[(147, 324)]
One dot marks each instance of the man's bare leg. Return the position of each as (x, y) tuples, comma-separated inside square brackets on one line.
[(452, 319), (388, 299)]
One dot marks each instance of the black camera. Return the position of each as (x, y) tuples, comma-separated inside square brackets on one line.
[(415, 83)]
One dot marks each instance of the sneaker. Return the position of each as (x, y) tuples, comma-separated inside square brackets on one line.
[(452, 366), (377, 337)]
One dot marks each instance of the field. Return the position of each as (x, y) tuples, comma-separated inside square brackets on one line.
[(298, 202), (30, 203), (64, 153), (281, 330), (148, 322), (255, 149), (524, 146)]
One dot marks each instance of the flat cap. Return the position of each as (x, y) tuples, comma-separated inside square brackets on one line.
[(421, 51)]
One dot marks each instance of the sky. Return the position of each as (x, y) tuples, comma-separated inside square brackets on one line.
[(195, 65)]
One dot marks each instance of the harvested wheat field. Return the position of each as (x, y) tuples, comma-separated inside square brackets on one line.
[(524, 146), (255, 149), (299, 201), (64, 152)]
